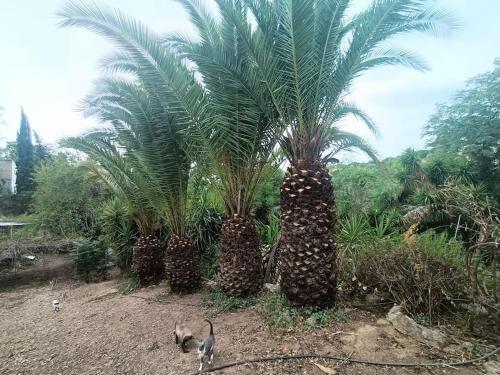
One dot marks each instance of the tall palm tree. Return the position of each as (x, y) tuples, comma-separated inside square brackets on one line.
[(237, 138), (149, 117), (307, 53)]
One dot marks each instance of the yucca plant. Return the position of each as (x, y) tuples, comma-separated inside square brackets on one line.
[(307, 53), (238, 137), (147, 109)]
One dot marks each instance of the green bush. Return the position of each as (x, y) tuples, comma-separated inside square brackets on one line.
[(269, 233), (366, 189), (204, 226), (90, 258), (64, 202), (119, 232), (267, 195)]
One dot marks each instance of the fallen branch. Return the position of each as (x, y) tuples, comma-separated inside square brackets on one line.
[(352, 360)]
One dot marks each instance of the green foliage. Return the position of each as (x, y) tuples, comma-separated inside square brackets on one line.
[(440, 165), (24, 156), (280, 314), (205, 220), (220, 302), (319, 318), (386, 224), (152, 175), (119, 232), (204, 224), (9, 151), (367, 189), (64, 203), (90, 258), (40, 150), (267, 196), (238, 133), (269, 233), (354, 229), (309, 62), (129, 282), (469, 125)]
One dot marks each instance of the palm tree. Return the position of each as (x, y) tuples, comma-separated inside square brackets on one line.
[(307, 53), (237, 137), (128, 183), (149, 120)]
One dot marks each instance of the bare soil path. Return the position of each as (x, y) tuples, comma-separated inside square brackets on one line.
[(101, 331)]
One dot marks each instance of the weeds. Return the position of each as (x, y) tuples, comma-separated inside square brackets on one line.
[(280, 314), (129, 283), (220, 303), (277, 311)]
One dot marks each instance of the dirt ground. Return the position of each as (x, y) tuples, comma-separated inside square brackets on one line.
[(101, 331)]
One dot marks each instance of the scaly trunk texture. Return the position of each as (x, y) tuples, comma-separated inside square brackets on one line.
[(183, 265), (240, 260), (148, 260), (308, 248)]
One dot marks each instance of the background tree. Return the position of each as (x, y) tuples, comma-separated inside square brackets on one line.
[(40, 150), (308, 52), (24, 156), (469, 125), (9, 151)]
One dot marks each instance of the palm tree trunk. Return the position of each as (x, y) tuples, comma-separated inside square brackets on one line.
[(148, 260), (308, 272), (183, 265), (240, 259)]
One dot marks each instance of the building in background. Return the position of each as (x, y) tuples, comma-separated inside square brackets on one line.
[(7, 175)]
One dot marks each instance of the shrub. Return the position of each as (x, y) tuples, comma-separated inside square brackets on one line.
[(424, 275), (129, 282), (267, 194), (353, 230), (204, 226), (269, 233), (119, 232), (90, 258), (367, 189), (64, 203)]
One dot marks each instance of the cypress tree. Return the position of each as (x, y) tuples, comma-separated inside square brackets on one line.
[(40, 150), (24, 158)]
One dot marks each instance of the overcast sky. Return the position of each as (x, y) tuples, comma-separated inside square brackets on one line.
[(48, 70)]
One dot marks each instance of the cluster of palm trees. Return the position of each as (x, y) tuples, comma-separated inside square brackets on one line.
[(260, 77)]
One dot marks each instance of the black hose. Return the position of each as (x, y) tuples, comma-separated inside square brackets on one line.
[(352, 360)]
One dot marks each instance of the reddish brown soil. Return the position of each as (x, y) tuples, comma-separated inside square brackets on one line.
[(101, 331)]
